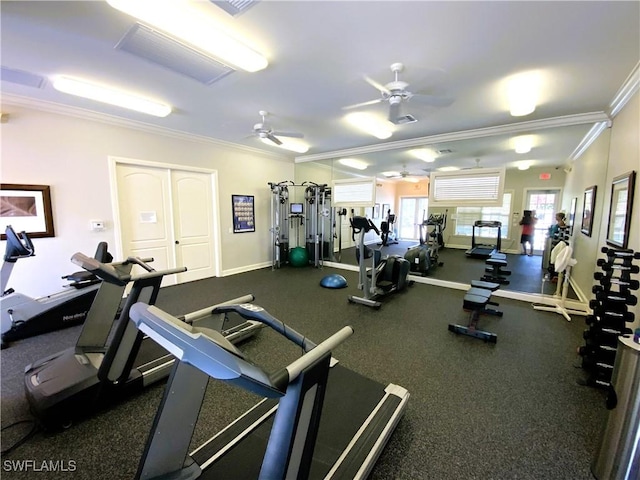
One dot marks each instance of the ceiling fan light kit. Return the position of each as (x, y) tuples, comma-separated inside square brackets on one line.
[(286, 140), (184, 20), (109, 95)]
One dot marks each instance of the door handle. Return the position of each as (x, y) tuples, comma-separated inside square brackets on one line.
[(177, 242)]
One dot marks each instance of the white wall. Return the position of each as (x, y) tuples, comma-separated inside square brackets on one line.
[(70, 154), (615, 152)]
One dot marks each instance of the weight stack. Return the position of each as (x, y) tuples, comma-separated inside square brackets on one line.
[(612, 298)]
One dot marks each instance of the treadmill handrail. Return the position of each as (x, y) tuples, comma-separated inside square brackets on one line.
[(251, 311), (108, 272), (210, 352)]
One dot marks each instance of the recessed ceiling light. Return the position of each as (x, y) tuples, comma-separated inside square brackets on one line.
[(196, 26), (423, 154), (353, 163), (370, 124), (448, 169), (109, 95)]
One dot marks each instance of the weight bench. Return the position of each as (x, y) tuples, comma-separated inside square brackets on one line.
[(494, 271), (476, 300)]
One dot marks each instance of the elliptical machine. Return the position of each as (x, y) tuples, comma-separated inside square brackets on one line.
[(385, 276), (387, 233), (426, 255)]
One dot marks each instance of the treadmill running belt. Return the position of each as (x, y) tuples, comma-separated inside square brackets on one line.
[(349, 400)]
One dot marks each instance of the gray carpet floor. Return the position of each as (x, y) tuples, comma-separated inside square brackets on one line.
[(476, 411)]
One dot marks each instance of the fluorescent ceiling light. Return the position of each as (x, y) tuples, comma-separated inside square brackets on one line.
[(193, 24), (100, 93), (524, 165), (523, 143), (288, 144), (448, 169), (423, 154), (391, 173), (523, 92), (370, 124), (353, 163)]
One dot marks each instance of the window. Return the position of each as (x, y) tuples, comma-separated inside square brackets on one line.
[(467, 216), (474, 187)]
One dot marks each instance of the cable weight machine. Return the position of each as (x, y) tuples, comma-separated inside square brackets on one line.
[(315, 214)]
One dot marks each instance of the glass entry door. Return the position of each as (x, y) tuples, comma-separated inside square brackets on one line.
[(546, 203), (412, 211)]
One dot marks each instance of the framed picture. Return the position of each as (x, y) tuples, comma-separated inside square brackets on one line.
[(587, 210), (620, 210), (244, 218), (376, 211), (27, 208), (572, 214), (385, 210)]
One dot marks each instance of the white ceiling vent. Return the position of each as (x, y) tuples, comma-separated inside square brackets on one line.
[(22, 78), (163, 50), (234, 7)]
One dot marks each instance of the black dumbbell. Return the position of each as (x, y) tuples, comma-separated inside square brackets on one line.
[(601, 306), (607, 267), (615, 297), (620, 253), (608, 281)]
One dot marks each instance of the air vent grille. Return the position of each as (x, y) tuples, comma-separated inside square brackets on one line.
[(163, 50), (234, 7), (22, 78)]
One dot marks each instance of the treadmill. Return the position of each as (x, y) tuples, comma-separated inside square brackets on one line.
[(111, 359), (319, 420), (480, 250)]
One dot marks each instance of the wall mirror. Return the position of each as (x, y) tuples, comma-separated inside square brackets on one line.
[(619, 222)]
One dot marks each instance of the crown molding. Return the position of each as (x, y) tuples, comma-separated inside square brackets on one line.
[(512, 128), (628, 89), (57, 108)]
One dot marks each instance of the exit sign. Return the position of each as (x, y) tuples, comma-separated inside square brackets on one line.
[(545, 176)]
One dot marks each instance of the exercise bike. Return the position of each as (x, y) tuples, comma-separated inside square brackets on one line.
[(22, 316), (386, 275)]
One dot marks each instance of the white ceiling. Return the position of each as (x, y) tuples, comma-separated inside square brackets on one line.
[(318, 53)]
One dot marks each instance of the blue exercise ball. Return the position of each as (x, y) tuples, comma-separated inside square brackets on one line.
[(333, 281)]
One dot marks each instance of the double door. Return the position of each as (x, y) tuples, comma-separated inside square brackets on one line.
[(168, 214)]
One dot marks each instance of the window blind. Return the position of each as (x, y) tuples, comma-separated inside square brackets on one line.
[(480, 187)]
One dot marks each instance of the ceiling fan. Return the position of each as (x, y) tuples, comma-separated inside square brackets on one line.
[(264, 131), (395, 93), (477, 165), (404, 173)]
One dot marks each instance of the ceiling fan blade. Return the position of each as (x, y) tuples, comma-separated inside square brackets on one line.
[(363, 104), (273, 139), (434, 100), (394, 112), (376, 85), (288, 134)]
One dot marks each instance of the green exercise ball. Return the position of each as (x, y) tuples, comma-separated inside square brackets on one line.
[(298, 257)]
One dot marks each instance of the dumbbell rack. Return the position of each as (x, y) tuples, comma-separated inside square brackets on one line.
[(610, 314)]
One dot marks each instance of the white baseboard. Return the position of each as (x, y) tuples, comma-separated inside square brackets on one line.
[(246, 268)]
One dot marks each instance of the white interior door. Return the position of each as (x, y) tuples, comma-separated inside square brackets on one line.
[(193, 221), (144, 204), (168, 215)]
